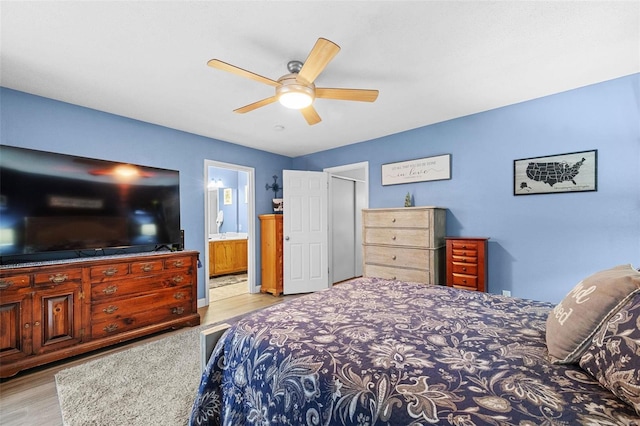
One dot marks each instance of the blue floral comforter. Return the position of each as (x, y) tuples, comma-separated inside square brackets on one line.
[(380, 352)]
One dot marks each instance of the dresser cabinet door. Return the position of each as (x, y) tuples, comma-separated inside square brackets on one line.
[(56, 318), (15, 326)]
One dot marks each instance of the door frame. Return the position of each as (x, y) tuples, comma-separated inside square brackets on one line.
[(251, 223), (343, 171)]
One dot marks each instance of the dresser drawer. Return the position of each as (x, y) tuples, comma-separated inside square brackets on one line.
[(146, 267), (135, 320), (13, 283), (108, 272), (401, 218), (112, 289), (123, 307), (177, 263), (57, 277), (396, 236), (391, 273), (398, 257)]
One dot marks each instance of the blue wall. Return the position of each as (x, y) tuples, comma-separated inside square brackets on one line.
[(39, 123), (541, 245)]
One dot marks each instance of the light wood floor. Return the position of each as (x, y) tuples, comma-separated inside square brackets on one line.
[(30, 398)]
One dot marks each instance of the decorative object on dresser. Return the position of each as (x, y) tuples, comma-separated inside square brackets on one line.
[(467, 263), (53, 310), (405, 243), (271, 253)]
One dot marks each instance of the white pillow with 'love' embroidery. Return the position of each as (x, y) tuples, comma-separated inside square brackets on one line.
[(574, 321)]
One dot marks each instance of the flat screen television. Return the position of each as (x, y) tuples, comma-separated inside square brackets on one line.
[(56, 206)]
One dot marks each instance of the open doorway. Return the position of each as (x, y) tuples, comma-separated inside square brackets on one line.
[(229, 230), (348, 195)]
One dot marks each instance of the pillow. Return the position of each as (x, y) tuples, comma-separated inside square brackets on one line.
[(573, 322), (613, 357)]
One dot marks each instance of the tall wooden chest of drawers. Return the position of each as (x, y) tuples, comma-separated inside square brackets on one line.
[(467, 263), (271, 255), (405, 243)]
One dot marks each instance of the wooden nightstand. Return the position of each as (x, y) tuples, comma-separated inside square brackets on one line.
[(467, 262)]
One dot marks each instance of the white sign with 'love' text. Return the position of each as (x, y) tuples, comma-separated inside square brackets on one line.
[(420, 170)]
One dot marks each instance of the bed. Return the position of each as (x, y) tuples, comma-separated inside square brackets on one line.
[(382, 352)]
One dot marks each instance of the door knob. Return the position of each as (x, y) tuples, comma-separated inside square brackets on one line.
[(286, 238)]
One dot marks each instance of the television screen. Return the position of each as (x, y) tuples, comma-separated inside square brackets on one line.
[(56, 206)]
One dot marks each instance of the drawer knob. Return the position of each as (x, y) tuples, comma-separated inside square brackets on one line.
[(58, 278), (110, 272), (110, 309), (147, 267), (464, 269), (464, 281), (36, 324), (393, 238), (178, 311), (27, 325), (393, 220), (4, 284), (393, 257), (111, 328), (179, 295), (178, 263), (110, 290), (178, 279)]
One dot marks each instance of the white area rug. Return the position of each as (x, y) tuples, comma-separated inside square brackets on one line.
[(152, 384)]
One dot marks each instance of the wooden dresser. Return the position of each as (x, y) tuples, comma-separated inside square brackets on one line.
[(404, 243), (467, 263), (55, 310), (271, 253)]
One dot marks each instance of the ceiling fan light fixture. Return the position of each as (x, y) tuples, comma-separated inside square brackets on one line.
[(293, 94)]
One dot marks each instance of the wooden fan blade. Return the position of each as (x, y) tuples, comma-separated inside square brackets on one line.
[(362, 95), (256, 105), (311, 115), (216, 63), (319, 57)]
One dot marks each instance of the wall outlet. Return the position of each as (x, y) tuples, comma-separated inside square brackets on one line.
[(506, 293)]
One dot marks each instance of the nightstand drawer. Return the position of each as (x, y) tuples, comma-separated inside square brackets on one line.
[(465, 280), (466, 245), (464, 268), (466, 253), (463, 259)]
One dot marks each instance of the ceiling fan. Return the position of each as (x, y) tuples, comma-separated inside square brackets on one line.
[(296, 89)]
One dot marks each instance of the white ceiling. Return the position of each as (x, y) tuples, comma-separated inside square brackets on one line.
[(431, 60)]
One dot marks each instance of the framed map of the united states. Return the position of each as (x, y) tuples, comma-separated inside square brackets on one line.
[(572, 172)]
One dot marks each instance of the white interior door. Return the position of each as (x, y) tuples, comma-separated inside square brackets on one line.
[(305, 230)]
